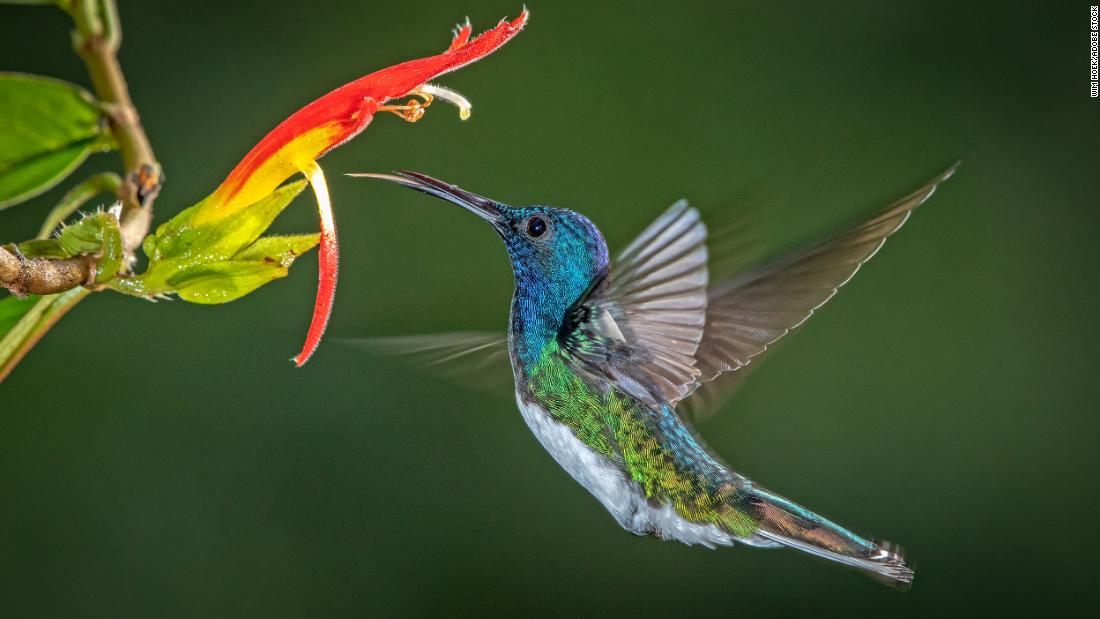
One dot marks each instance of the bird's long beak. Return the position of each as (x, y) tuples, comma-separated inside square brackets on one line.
[(482, 207)]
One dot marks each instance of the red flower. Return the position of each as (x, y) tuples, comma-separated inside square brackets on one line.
[(295, 145)]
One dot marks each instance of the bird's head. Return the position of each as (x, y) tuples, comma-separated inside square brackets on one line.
[(555, 252)]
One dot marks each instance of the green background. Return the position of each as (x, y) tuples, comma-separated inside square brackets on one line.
[(166, 460)]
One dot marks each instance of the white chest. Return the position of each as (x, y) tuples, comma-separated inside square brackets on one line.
[(609, 484)]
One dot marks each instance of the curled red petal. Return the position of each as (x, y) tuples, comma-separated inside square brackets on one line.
[(328, 267), (329, 258)]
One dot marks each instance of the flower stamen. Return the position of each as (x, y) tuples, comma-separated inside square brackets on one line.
[(450, 96), (413, 110)]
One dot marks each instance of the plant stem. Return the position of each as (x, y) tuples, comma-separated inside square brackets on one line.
[(96, 40), (54, 275), (44, 275)]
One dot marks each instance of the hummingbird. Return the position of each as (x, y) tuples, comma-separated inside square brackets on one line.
[(609, 357)]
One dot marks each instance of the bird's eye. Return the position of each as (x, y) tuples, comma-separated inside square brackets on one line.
[(536, 226)]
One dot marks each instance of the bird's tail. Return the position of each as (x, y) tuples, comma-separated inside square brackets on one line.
[(782, 522)]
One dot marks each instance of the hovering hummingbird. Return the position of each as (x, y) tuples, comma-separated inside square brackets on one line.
[(607, 357)]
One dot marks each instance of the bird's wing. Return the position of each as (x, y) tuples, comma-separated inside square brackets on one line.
[(749, 312), (651, 325), (470, 358), (640, 323)]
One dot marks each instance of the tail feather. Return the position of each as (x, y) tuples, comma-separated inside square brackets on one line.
[(786, 523), (885, 564)]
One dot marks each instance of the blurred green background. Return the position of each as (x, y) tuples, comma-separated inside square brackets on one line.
[(166, 460)]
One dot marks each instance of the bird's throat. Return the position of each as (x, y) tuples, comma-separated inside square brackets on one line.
[(537, 315)]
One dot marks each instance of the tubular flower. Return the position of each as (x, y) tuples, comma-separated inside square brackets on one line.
[(294, 146)]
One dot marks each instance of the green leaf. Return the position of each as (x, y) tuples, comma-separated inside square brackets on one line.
[(267, 259), (222, 260), (43, 248), (281, 250), (11, 310), (36, 319), (47, 128), (179, 246), (78, 196), (222, 282), (177, 240)]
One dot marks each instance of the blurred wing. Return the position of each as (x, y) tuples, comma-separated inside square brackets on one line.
[(472, 359), (709, 396), (748, 313), (640, 324)]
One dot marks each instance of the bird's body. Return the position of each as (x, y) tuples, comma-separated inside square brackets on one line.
[(605, 354), (656, 477), (642, 498), (641, 460)]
